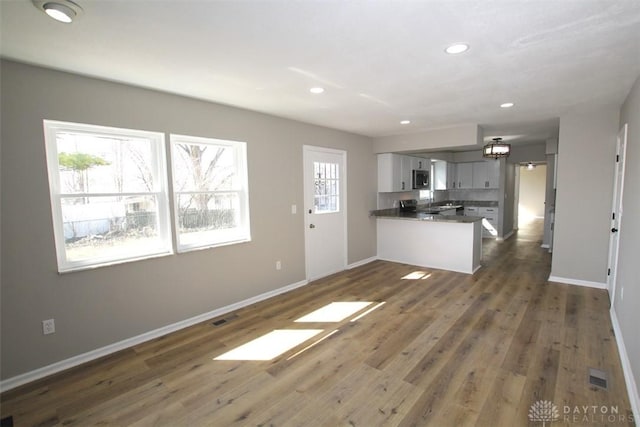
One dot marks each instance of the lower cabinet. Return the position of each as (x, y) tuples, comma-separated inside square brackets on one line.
[(490, 222)]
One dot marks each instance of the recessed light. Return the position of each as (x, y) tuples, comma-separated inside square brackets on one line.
[(507, 105), (64, 11), (457, 48), (316, 90), (405, 122)]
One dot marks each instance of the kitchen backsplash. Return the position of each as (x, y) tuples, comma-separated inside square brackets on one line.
[(390, 200)]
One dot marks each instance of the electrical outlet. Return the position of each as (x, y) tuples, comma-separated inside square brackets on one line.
[(278, 265), (294, 209), (48, 326)]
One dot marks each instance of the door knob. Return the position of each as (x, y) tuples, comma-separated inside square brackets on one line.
[(312, 226), (614, 230)]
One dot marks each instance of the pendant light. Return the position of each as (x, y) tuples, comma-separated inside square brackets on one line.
[(496, 149)]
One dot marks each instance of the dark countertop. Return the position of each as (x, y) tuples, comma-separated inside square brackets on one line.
[(481, 204), (423, 216)]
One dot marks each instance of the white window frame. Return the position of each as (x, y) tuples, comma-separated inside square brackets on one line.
[(240, 155), (160, 172)]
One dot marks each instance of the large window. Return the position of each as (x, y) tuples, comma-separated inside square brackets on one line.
[(210, 192), (108, 194)]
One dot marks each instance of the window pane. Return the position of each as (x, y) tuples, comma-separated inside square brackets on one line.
[(209, 218), (110, 227), (204, 167), (210, 182), (327, 185), (93, 163)]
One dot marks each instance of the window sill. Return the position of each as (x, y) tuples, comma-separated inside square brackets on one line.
[(73, 269)]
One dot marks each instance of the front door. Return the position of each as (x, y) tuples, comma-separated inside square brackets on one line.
[(325, 211), (616, 211)]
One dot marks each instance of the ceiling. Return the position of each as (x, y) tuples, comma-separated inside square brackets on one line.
[(380, 61)]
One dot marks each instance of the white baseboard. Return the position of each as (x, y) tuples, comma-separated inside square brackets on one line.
[(506, 236), (362, 262), (45, 371), (577, 282), (629, 379), (544, 246)]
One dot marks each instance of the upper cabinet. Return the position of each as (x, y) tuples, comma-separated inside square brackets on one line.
[(464, 174), (390, 173), (395, 171), (440, 176), (486, 174), (451, 176), (418, 163)]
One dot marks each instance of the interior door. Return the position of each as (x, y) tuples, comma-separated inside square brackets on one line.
[(616, 215), (325, 211)]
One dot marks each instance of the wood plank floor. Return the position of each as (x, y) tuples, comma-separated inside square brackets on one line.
[(445, 349)]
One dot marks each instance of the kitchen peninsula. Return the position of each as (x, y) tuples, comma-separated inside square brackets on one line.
[(426, 239)]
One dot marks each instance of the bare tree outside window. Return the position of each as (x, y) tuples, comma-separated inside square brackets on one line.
[(108, 202), (209, 191)]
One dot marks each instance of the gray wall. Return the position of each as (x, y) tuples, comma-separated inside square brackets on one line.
[(109, 304), (586, 149), (627, 275), (549, 200), (509, 221)]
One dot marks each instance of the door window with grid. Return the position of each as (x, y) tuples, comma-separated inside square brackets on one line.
[(327, 187)]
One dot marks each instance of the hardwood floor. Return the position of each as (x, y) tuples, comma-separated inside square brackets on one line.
[(445, 349)]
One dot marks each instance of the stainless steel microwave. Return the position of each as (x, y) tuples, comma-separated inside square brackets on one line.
[(420, 179)]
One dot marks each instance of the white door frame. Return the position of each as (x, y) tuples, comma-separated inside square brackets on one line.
[(618, 188), (306, 149)]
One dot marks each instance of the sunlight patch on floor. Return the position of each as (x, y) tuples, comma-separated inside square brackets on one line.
[(335, 311), (270, 345), (313, 344), (417, 275), (368, 311)]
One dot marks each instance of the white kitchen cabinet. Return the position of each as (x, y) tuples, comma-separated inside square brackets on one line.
[(440, 177), (420, 164), (486, 174), (471, 211), (452, 178), (464, 173), (493, 173), (406, 174), (480, 175), (394, 172), (490, 221)]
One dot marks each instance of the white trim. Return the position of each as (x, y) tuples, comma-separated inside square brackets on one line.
[(544, 246), (160, 193), (362, 262), (62, 365), (242, 232), (618, 196), (503, 238), (629, 379), (306, 149), (587, 283)]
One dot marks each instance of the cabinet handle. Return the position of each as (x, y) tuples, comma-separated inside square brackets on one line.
[(403, 185)]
